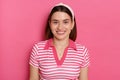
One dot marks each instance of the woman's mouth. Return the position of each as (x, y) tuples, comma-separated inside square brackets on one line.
[(60, 32)]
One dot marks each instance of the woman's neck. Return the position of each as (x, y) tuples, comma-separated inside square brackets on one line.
[(60, 43)]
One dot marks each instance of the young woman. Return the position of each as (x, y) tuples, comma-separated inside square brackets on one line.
[(59, 57)]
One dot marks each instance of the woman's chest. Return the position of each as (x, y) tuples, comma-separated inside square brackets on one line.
[(50, 65)]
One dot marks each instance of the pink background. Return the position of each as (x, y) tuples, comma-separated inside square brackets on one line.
[(22, 24)]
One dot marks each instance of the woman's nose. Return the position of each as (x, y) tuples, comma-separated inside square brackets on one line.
[(60, 26)]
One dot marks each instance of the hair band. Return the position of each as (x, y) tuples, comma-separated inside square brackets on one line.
[(61, 4)]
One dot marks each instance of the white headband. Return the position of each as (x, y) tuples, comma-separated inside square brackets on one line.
[(61, 4)]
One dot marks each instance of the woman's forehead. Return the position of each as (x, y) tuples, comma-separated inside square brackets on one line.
[(60, 16)]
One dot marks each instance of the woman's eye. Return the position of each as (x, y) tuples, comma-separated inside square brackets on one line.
[(66, 22), (55, 22)]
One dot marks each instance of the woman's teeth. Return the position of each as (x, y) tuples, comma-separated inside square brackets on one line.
[(60, 32)]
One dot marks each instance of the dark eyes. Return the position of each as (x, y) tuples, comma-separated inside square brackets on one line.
[(66, 22), (56, 22)]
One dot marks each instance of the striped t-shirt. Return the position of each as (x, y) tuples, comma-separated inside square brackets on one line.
[(44, 57)]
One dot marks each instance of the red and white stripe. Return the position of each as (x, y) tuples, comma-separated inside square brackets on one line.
[(51, 68)]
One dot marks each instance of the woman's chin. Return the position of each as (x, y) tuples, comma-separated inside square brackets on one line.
[(61, 37)]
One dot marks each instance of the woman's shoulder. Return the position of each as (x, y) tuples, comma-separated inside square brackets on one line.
[(40, 44), (80, 46)]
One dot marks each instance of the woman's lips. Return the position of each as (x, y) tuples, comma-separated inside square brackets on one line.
[(60, 32)]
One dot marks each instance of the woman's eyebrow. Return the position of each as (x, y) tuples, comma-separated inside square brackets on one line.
[(66, 19), (54, 20), (58, 20)]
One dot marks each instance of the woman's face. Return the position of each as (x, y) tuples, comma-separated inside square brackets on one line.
[(61, 25)]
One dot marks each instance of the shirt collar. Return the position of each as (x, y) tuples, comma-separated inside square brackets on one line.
[(49, 44)]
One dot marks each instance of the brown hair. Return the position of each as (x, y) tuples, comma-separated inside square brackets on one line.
[(48, 33)]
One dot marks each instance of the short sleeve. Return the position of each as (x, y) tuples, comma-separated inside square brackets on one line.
[(86, 58), (33, 57)]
